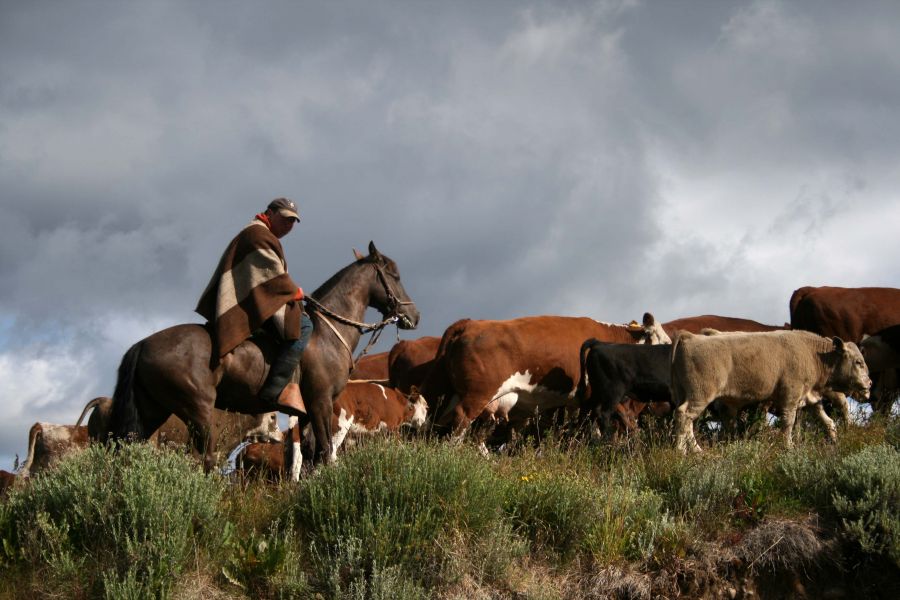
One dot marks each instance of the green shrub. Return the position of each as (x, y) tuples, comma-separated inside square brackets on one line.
[(866, 498), (388, 503), (116, 523)]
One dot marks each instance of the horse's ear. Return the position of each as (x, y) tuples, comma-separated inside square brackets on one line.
[(373, 251), (358, 254)]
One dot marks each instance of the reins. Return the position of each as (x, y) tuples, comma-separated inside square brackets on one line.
[(375, 328)]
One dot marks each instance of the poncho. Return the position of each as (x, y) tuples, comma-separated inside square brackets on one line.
[(250, 285)]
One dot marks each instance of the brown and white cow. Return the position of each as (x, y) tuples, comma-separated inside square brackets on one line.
[(410, 361), (785, 367), (362, 408), (48, 443), (510, 370), (366, 408)]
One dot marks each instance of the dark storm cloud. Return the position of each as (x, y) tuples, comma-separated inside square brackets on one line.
[(598, 158)]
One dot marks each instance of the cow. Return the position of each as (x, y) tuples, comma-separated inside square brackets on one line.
[(371, 367), (48, 443), (268, 460), (619, 370), (882, 350), (365, 408), (786, 367), (882, 354), (847, 313), (361, 408), (510, 370), (850, 313), (410, 361), (7, 481)]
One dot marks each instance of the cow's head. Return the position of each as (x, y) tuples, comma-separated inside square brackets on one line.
[(417, 409), (266, 431), (850, 373), (879, 356), (650, 332)]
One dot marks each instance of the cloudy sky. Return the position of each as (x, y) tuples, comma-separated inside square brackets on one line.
[(599, 158)]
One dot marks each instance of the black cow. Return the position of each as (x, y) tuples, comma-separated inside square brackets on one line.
[(616, 370)]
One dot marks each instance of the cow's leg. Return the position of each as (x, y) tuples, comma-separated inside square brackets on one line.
[(685, 415), (830, 429), (345, 423), (788, 419), (612, 398), (296, 452), (729, 419)]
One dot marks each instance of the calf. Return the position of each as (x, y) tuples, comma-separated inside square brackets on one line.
[(789, 367), (48, 443), (617, 370)]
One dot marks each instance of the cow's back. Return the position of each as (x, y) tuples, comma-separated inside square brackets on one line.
[(720, 323), (410, 361), (847, 313), (371, 367)]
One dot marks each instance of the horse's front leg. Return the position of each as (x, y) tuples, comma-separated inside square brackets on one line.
[(320, 411)]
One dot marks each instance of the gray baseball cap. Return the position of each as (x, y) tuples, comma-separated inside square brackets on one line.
[(285, 207)]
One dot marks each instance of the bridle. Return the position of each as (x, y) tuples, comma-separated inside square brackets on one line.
[(393, 308)]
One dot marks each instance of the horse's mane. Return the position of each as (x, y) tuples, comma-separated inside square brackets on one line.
[(339, 278)]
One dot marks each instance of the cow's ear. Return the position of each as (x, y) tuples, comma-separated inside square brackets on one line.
[(864, 337), (649, 321), (358, 254), (838, 343)]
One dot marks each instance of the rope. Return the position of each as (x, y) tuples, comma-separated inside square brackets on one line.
[(362, 327)]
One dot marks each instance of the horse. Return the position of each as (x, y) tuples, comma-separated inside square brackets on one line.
[(175, 370)]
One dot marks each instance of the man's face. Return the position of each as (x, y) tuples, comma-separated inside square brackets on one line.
[(281, 225)]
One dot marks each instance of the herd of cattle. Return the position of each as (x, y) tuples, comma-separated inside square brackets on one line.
[(500, 375)]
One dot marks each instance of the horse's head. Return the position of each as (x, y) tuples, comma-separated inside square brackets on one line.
[(387, 294)]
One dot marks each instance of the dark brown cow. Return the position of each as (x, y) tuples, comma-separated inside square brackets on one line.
[(847, 313), (851, 313), (410, 361), (698, 324), (372, 367), (511, 370), (48, 443)]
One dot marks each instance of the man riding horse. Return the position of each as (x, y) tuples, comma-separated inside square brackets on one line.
[(251, 290)]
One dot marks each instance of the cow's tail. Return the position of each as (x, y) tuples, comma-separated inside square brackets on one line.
[(581, 390), (87, 408), (125, 420), (25, 469)]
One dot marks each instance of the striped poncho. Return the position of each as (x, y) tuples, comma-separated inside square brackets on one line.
[(250, 285)]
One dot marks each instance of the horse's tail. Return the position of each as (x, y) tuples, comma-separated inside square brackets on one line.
[(125, 419), (581, 390)]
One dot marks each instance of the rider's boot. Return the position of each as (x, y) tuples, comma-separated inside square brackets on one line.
[(277, 389)]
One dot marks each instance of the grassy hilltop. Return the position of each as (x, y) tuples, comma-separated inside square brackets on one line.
[(424, 519)]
